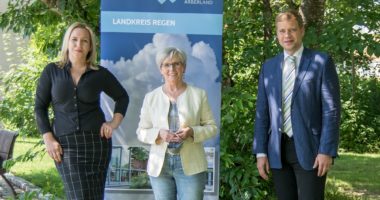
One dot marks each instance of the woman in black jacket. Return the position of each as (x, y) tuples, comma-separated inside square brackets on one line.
[(79, 138)]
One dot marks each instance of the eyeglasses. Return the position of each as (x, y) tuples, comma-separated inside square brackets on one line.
[(174, 65)]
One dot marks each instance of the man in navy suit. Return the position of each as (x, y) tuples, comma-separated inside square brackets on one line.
[(297, 115)]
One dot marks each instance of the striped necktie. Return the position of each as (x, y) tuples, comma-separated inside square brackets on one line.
[(288, 77)]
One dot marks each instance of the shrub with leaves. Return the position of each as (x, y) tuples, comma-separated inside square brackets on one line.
[(18, 91)]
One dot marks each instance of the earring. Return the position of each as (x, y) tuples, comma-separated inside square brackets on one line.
[(162, 79)]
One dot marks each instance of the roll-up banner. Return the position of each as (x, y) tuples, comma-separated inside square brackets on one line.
[(132, 32)]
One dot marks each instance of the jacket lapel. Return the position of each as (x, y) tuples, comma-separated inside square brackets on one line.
[(278, 78), (303, 67)]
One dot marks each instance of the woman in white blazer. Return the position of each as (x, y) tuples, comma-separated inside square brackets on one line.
[(175, 119)]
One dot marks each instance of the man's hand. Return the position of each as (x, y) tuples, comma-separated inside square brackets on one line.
[(263, 167), (323, 163)]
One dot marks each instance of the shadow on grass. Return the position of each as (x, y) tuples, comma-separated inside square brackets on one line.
[(48, 180), (334, 192), (355, 176)]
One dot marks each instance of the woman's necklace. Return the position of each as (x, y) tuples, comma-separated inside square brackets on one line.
[(173, 94)]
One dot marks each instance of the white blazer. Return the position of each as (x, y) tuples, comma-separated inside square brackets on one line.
[(194, 111)]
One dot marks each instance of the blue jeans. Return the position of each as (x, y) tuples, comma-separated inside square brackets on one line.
[(173, 184)]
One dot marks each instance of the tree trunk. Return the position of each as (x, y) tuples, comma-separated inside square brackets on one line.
[(267, 16), (353, 79), (312, 12)]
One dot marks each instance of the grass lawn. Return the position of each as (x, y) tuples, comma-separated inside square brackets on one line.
[(41, 171), (356, 176), (353, 176)]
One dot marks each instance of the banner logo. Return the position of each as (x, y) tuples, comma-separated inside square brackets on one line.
[(199, 2), (163, 1)]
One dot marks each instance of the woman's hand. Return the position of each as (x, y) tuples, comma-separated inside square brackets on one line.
[(107, 127), (106, 130), (185, 133), (53, 147), (166, 136)]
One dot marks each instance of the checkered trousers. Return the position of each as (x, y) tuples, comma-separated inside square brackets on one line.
[(84, 167)]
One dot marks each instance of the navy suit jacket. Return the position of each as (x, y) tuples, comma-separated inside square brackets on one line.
[(315, 109)]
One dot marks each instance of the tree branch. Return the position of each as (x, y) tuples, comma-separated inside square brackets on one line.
[(291, 4), (53, 6)]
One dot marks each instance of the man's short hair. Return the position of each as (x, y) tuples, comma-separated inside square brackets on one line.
[(288, 15)]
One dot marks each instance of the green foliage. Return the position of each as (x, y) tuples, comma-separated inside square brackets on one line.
[(28, 195), (351, 35), (360, 124), (243, 54), (18, 91), (140, 181), (49, 181), (46, 21), (139, 153), (350, 29), (36, 166), (28, 156)]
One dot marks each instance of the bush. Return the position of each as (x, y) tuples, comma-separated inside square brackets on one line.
[(18, 91), (360, 124), (243, 48)]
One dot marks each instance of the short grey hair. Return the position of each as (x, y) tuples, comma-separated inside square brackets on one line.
[(169, 53)]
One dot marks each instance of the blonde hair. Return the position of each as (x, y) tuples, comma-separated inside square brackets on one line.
[(288, 15), (169, 53), (91, 56)]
